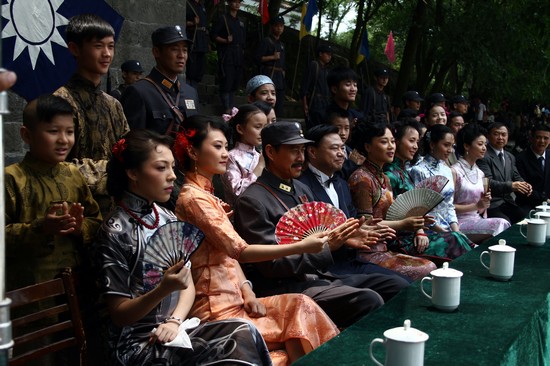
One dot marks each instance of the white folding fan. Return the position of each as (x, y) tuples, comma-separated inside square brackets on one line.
[(170, 244), (416, 202), (306, 219), (435, 183)]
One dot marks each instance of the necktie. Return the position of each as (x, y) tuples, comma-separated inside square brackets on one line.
[(501, 158), (541, 162)]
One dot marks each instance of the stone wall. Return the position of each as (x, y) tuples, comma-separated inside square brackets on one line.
[(141, 18)]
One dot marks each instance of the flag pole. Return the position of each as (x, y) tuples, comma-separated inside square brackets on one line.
[(6, 341), (296, 66)]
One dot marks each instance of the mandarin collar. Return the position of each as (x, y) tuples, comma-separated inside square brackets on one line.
[(77, 81), (431, 161), (200, 181), (244, 147), (136, 203), (39, 166)]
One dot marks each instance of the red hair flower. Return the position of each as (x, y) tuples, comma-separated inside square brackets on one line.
[(181, 144), (118, 149)]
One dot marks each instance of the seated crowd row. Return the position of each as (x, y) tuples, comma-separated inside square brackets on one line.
[(256, 302)]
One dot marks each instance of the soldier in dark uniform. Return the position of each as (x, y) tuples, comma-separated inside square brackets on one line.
[(230, 36), (198, 34), (160, 101), (315, 93), (271, 57), (131, 72), (376, 103)]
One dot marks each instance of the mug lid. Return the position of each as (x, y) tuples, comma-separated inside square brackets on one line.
[(502, 247), (406, 334), (542, 214), (445, 271), (536, 221), (543, 207)]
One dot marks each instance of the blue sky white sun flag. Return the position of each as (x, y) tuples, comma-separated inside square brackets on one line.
[(33, 41)]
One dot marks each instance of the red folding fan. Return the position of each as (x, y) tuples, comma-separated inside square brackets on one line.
[(306, 219)]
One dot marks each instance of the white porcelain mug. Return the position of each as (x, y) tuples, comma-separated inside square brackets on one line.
[(501, 260), (445, 288), (536, 232), (546, 217), (404, 346), (540, 208)]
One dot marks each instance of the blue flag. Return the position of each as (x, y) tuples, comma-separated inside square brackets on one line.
[(364, 49), (312, 9), (33, 41)]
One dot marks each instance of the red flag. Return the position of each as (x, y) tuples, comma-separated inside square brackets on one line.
[(263, 10), (390, 49)]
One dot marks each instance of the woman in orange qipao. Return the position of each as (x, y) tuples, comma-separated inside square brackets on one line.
[(293, 322)]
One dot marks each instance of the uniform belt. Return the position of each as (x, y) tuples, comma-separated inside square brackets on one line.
[(201, 28)]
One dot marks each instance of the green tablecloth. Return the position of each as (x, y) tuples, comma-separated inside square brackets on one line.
[(497, 323)]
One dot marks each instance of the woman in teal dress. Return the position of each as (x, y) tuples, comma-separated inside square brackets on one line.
[(444, 244)]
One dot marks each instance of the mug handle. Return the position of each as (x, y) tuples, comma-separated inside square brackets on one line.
[(372, 343), (532, 213), (422, 286), (481, 258), (521, 231)]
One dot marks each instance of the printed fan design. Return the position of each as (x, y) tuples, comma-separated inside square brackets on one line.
[(170, 244), (306, 219), (435, 183), (416, 202)]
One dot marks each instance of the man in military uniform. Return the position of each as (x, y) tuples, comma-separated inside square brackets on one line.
[(271, 57), (131, 72), (160, 101), (376, 103), (315, 92), (198, 34), (257, 212), (230, 37)]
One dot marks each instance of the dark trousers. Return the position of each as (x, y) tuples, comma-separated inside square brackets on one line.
[(194, 69), (508, 211)]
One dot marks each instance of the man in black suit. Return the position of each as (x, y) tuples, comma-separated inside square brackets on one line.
[(504, 179), (325, 157), (534, 168)]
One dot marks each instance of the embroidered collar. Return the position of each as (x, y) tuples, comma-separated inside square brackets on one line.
[(40, 167), (376, 172), (432, 162), (136, 203)]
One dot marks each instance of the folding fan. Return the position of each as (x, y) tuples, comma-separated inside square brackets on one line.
[(435, 183), (306, 219), (416, 202), (170, 244)]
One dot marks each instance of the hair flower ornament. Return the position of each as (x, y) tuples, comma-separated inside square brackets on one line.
[(118, 149), (229, 117), (181, 143)]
